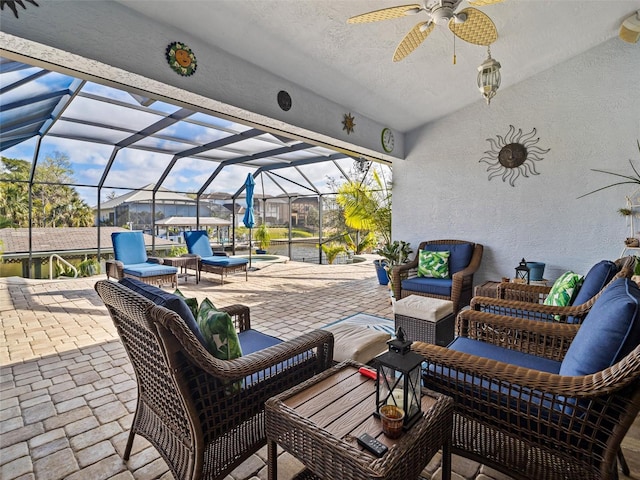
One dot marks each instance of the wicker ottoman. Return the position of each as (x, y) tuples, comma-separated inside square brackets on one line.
[(425, 319)]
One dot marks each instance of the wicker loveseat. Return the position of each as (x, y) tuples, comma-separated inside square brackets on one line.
[(204, 416), (464, 260), (544, 400), (526, 301)]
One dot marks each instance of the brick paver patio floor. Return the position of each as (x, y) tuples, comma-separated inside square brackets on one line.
[(68, 393)]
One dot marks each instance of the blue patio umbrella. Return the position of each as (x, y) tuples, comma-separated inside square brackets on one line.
[(249, 219)]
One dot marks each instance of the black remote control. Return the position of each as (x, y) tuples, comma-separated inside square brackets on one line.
[(372, 445)]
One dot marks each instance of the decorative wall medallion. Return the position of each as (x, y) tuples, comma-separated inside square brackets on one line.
[(513, 155), (181, 59), (12, 5), (348, 123), (284, 100)]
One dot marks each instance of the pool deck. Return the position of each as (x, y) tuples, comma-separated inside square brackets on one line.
[(68, 392)]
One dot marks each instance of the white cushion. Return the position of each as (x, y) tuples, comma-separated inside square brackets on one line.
[(424, 308), (357, 342)]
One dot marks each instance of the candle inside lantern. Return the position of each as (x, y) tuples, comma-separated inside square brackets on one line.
[(397, 398)]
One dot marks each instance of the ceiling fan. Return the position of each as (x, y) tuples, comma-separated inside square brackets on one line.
[(469, 24)]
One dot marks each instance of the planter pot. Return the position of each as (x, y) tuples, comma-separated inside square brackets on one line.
[(536, 271), (383, 278), (260, 252)]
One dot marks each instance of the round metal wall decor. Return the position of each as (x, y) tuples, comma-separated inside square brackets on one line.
[(181, 59), (513, 156), (284, 100)]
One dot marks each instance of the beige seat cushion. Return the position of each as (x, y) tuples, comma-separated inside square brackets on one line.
[(357, 342), (424, 308)]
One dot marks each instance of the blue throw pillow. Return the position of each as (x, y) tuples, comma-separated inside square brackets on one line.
[(609, 332), (166, 300)]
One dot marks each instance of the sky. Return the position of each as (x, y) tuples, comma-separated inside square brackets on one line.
[(102, 112)]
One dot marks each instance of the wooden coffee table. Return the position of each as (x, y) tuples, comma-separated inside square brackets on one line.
[(319, 420)]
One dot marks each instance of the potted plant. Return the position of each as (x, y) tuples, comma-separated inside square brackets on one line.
[(263, 237), (394, 253), (89, 267)]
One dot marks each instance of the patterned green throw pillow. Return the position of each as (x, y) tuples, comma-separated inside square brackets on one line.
[(564, 289), (433, 264), (219, 332), (192, 303)]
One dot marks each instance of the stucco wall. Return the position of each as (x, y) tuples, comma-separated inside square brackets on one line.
[(587, 112)]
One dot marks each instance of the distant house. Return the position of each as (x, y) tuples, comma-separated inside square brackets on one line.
[(134, 209)]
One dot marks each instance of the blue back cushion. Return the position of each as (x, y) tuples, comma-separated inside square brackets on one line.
[(609, 332), (128, 247), (599, 275), (198, 243), (460, 254), (166, 300)]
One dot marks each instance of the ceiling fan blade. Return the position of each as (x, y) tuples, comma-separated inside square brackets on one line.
[(483, 3), (477, 28), (412, 40), (385, 14)]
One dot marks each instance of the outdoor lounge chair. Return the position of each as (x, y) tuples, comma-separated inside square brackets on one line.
[(205, 416), (544, 400), (219, 262), (464, 260), (131, 260), (526, 301)]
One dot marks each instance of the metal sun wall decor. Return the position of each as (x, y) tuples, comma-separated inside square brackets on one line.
[(348, 123), (513, 155), (12, 5)]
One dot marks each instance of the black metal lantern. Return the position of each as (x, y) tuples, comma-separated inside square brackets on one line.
[(399, 379), (523, 272)]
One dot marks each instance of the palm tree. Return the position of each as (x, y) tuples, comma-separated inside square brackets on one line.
[(367, 208)]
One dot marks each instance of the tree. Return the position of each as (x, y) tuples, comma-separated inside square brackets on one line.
[(54, 202), (367, 207)]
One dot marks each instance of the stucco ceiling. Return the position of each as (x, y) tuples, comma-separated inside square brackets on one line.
[(310, 43)]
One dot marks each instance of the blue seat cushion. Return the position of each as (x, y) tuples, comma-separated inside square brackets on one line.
[(198, 243), (460, 254), (223, 261), (128, 247), (167, 300), (435, 286), (149, 269), (599, 275), (253, 341), (495, 352), (608, 333)]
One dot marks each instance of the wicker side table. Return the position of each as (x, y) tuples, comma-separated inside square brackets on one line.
[(184, 263), (319, 421), (487, 289)]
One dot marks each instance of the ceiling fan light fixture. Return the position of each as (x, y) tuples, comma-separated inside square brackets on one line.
[(441, 15), (630, 28), (489, 77)]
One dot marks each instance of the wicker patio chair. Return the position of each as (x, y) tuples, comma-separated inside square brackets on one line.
[(131, 260), (526, 301), (458, 289), (199, 245), (204, 416), (526, 422)]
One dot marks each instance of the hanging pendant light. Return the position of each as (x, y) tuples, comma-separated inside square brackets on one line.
[(489, 77)]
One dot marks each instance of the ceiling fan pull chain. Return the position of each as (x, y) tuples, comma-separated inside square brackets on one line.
[(454, 46)]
